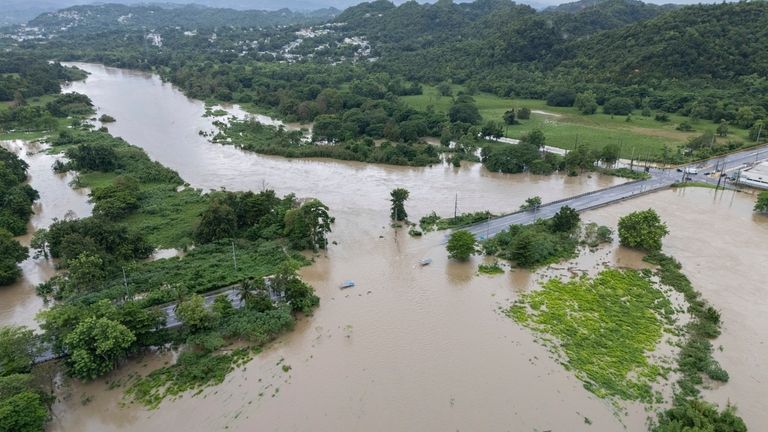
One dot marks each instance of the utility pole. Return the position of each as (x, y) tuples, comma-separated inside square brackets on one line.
[(456, 206), (720, 177), (234, 256)]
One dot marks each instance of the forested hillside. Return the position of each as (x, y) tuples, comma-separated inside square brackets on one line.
[(721, 42), (590, 16), (97, 18)]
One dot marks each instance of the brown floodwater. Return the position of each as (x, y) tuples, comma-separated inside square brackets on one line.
[(409, 347), (18, 302), (723, 246)]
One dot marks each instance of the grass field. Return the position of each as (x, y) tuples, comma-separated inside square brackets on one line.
[(642, 137)]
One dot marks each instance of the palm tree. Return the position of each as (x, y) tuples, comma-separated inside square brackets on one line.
[(246, 291)]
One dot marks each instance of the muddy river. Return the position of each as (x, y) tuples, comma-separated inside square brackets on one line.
[(410, 347), (18, 302)]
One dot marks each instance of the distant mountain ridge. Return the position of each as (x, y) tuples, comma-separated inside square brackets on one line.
[(117, 16)]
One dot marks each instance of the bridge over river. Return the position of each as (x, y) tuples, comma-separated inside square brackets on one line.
[(660, 179)]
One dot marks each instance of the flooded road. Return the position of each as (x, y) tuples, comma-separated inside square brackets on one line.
[(18, 302), (410, 347)]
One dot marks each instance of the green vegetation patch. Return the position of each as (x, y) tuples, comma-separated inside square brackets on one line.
[(435, 222), (490, 269), (256, 137), (192, 371), (604, 328)]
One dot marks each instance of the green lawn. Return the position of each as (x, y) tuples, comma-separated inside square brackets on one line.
[(565, 127)]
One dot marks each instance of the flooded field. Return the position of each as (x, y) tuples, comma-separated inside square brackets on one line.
[(411, 347), (722, 246)]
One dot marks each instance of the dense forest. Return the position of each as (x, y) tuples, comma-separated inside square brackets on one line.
[(24, 76), (348, 76)]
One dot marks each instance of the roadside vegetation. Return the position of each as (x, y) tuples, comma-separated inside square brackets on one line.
[(25, 393), (761, 204), (435, 222), (543, 242)]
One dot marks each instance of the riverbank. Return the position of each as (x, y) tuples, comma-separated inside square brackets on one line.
[(427, 323), (58, 200)]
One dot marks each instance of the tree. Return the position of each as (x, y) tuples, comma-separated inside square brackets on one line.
[(722, 128), (745, 117), (580, 158), (510, 159), (95, 346), (537, 138), (217, 222), (23, 412), (118, 199), (18, 348), (565, 220), (509, 117), (532, 203), (397, 211), (757, 131), (532, 247), (618, 106), (444, 89), (699, 416), (326, 127), (561, 97), (761, 205), (306, 227), (254, 294), (586, 103), (642, 230), (461, 245), (11, 253), (492, 129), (524, 113), (464, 110), (86, 273), (610, 153), (193, 313), (297, 293)]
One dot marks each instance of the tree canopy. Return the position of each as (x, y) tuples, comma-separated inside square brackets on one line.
[(642, 230), (461, 245)]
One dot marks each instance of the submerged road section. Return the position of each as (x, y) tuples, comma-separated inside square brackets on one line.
[(660, 179)]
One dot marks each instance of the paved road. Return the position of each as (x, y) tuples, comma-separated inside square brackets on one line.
[(660, 179), (583, 202), (171, 319)]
